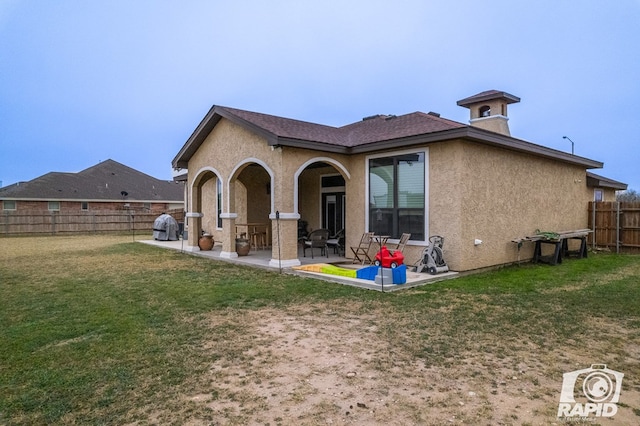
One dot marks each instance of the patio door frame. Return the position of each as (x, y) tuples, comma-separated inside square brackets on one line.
[(332, 195)]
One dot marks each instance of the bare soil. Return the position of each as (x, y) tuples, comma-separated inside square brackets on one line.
[(324, 365)]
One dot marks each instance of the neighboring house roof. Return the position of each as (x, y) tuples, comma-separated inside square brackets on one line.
[(371, 134), (103, 182), (594, 180)]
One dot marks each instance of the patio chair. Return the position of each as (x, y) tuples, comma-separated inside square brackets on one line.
[(337, 242), (404, 238), (316, 239), (361, 252)]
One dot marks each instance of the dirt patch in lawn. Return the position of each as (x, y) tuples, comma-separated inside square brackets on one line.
[(322, 364)]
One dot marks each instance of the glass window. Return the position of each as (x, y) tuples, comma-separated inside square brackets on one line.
[(54, 205), (219, 201), (397, 195), (84, 205), (598, 195), (9, 205)]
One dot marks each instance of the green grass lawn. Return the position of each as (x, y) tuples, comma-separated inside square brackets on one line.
[(114, 332)]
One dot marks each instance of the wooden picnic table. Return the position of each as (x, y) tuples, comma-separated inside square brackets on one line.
[(560, 243)]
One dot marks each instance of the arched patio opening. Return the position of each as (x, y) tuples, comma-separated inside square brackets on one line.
[(321, 198), (206, 203), (251, 201)]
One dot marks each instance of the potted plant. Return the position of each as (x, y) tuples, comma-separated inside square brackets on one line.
[(242, 246), (205, 242)]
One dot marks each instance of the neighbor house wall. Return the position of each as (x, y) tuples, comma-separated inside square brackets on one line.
[(608, 194), (76, 206)]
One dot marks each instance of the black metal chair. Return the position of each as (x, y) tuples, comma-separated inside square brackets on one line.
[(316, 239), (337, 242)]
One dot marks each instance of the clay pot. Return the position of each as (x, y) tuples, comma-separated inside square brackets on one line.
[(205, 242), (242, 246)]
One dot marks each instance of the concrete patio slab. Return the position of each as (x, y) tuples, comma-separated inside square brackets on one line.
[(261, 259)]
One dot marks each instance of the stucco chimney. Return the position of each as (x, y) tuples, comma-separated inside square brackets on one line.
[(489, 110)]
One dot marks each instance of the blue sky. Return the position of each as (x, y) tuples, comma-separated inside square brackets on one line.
[(83, 81)]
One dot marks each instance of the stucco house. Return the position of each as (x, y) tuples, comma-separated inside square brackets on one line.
[(108, 185), (418, 173), (604, 189)]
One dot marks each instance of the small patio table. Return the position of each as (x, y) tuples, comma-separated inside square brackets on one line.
[(254, 229)]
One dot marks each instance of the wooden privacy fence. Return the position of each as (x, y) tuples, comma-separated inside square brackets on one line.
[(50, 222), (615, 226)]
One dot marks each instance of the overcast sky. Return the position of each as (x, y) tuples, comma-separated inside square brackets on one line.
[(84, 81)]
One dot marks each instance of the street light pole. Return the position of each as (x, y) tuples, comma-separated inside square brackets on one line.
[(569, 139)]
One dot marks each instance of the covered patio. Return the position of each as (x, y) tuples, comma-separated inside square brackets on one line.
[(262, 259)]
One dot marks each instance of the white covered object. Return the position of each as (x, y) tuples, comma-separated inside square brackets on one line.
[(165, 228)]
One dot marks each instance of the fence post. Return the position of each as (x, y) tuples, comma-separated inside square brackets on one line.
[(595, 228), (618, 227)]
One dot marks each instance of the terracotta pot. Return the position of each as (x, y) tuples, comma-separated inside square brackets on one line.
[(205, 242), (242, 246)]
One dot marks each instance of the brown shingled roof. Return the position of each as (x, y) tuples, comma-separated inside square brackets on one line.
[(104, 181), (385, 128), (290, 128), (372, 134), (375, 129)]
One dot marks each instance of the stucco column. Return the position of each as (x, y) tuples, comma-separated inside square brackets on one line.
[(194, 223), (228, 235), (285, 229)]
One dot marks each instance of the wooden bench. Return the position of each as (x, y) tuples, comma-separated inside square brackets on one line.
[(560, 243)]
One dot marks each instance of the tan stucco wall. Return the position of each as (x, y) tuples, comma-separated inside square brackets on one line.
[(498, 195), (356, 208), (608, 194), (355, 203), (255, 182), (474, 192), (229, 145), (485, 193), (310, 197), (209, 207)]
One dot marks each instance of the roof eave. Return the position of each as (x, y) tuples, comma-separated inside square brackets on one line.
[(181, 160), (595, 180), (313, 145), (467, 132), (206, 126), (496, 139), (481, 136)]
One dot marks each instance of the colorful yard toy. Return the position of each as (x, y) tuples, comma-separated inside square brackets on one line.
[(389, 259)]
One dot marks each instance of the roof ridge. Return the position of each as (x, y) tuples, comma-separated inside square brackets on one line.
[(279, 117)]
